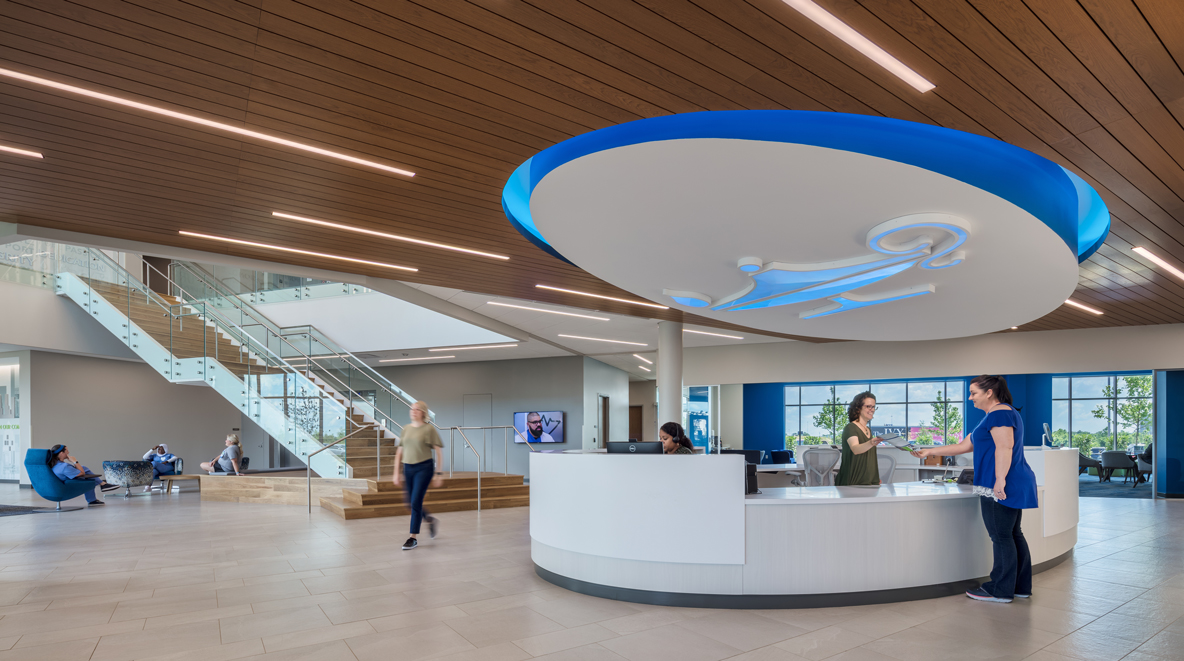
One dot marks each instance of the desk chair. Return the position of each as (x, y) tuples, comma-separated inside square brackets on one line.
[(887, 467), (782, 456), (819, 464)]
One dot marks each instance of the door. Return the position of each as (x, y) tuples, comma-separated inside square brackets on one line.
[(635, 423), (602, 421)]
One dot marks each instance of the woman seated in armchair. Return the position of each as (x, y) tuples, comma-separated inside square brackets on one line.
[(163, 463), (66, 467)]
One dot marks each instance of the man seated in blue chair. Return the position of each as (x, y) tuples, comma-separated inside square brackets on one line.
[(66, 467)]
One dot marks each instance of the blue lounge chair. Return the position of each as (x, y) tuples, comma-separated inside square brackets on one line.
[(48, 486)]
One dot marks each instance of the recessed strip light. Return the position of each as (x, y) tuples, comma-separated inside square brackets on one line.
[(297, 251), (643, 367), (567, 314), (730, 337), (1082, 306), (487, 346), (1160, 262), (198, 120), (860, 43), (393, 237), (1015, 328), (607, 298), (22, 152), (647, 361), (599, 339), (403, 360)]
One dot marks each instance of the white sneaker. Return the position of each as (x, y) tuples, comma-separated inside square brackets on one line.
[(148, 489)]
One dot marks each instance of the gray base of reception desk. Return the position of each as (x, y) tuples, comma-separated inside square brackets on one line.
[(762, 601)]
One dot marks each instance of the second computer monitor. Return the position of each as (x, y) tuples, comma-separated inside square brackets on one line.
[(645, 447)]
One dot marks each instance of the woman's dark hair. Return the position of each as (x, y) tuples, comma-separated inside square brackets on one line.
[(674, 430), (53, 454), (997, 384), (856, 405)]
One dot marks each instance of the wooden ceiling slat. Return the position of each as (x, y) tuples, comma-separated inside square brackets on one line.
[(434, 57), (978, 35), (1129, 32), (463, 93)]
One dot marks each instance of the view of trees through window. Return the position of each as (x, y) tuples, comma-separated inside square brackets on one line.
[(1110, 412), (925, 411)]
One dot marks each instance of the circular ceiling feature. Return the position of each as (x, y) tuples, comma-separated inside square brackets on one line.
[(816, 224)]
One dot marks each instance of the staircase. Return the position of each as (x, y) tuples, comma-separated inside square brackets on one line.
[(384, 498), (295, 383)]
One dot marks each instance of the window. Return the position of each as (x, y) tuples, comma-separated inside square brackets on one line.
[(927, 411), (1095, 413)]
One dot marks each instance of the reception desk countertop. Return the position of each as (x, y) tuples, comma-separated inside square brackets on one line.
[(843, 495)]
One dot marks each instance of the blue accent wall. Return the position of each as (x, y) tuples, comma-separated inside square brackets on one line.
[(1169, 429), (764, 416)]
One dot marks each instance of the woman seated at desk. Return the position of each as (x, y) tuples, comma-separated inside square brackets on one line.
[(674, 439), (859, 465)]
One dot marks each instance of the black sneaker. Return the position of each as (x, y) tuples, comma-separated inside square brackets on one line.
[(432, 527), (97, 502), (979, 594), (108, 487), (410, 544)]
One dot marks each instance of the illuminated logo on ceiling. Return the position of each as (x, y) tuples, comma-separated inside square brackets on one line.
[(926, 241)]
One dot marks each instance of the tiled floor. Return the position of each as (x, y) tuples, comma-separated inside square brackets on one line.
[(174, 578)]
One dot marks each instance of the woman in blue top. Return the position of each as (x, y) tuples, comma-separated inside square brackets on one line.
[(66, 467), (1005, 484)]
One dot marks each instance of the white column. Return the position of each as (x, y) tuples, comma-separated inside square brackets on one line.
[(669, 372)]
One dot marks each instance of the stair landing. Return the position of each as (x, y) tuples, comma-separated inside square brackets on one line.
[(384, 498)]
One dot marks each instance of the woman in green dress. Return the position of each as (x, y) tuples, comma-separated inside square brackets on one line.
[(859, 465)]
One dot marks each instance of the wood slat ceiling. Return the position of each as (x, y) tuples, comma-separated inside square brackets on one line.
[(462, 92)]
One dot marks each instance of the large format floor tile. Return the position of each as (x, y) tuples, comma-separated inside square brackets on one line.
[(184, 580)]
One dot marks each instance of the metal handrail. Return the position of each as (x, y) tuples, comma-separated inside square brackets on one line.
[(308, 463), (505, 441), (462, 435), (276, 330)]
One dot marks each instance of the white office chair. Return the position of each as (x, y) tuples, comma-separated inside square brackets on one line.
[(819, 462), (887, 466)]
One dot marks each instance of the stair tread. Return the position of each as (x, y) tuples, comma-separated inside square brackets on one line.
[(344, 505)]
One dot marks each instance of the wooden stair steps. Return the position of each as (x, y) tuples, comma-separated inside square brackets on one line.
[(350, 511), (356, 497), (459, 481)]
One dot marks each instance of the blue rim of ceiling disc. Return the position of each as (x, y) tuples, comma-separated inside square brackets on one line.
[(1060, 199)]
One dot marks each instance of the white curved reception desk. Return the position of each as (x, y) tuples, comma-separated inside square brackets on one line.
[(678, 530)]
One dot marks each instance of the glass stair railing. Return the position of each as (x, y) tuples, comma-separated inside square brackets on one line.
[(370, 397), (188, 340)]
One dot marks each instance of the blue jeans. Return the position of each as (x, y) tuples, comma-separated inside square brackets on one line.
[(1012, 570), (416, 479), (90, 495), (162, 468)]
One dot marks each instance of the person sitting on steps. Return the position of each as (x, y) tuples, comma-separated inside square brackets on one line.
[(227, 462), (66, 467)]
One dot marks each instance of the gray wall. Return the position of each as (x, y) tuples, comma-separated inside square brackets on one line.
[(36, 318), (569, 384), (538, 384), (113, 409), (602, 379), (645, 395)]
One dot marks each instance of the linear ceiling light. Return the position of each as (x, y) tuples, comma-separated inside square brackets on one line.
[(198, 120), (22, 152), (730, 337), (860, 43), (607, 298), (1160, 262), (647, 361), (597, 339), (487, 346), (643, 367), (400, 360), (394, 237), (1082, 306), (567, 314), (299, 252)]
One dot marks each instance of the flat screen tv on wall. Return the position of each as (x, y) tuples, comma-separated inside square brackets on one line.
[(539, 426)]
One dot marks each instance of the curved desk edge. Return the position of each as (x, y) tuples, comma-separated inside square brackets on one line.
[(765, 601)]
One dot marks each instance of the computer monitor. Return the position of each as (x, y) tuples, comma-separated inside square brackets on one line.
[(645, 447)]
